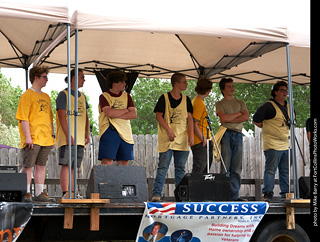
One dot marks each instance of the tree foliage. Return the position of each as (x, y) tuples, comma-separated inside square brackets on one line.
[(146, 93), (93, 123), (9, 99), (256, 94)]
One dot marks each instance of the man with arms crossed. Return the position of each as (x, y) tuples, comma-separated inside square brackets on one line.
[(116, 109), (232, 113)]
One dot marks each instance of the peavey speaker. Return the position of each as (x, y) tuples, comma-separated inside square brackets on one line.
[(13, 186), (120, 184), (304, 187), (200, 187)]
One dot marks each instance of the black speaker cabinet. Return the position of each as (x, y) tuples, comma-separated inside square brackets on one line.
[(13, 186), (201, 187), (304, 187), (120, 184)]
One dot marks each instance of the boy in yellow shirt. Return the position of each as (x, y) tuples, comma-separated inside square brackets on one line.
[(200, 114), (36, 131)]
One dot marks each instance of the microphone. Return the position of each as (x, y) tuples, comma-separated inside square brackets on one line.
[(209, 122)]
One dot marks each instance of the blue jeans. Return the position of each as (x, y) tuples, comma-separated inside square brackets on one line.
[(276, 159), (231, 151), (180, 159)]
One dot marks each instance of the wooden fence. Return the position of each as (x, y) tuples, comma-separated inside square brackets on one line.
[(145, 155)]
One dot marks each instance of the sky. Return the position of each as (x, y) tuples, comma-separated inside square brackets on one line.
[(56, 82)]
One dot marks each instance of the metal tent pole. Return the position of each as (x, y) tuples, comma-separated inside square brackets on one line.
[(26, 72), (75, 113), (292, 126), (69, 108)]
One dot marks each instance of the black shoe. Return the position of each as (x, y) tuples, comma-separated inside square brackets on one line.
[(267, 197), (239, 199)]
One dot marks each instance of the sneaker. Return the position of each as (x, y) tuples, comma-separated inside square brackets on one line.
[(43, 197), (28, 198), (267, 197), (79, 196), (155, 199), (66, 196)]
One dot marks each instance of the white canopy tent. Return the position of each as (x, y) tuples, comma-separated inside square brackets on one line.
[(209, 37), (27, 29)]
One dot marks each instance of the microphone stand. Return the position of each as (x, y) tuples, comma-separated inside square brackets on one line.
[(215, 141), (208, 148)]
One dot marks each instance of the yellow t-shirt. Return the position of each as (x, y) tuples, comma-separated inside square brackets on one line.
[(36, 109), (200, 113)]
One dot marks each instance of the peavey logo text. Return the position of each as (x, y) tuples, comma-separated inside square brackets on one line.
[(209, 177)]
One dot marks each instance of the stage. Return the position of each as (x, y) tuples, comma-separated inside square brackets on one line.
[(118, 221)]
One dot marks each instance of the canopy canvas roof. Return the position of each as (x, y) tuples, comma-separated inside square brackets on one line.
[(208, 38), (193, 40), (27, 29)]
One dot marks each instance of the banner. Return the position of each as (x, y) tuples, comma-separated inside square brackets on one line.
[(14, 216), (195, 222)]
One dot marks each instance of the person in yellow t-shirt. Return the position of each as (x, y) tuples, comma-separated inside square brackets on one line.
[(199, 149), (36, 132)]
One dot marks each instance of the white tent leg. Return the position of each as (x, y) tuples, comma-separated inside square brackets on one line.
[(75, 113), (69, 108), (292, 126)]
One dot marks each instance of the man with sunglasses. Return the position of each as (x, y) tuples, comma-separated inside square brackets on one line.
[(272, 117), (36, 132)]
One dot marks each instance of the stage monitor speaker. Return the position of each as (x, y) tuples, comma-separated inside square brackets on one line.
[(120, 184), (304, 187), (201, 187), (13, 187)]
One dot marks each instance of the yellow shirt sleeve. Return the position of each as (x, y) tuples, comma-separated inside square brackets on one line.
[(200, 113)]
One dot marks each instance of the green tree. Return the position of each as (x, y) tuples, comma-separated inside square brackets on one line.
[(9, 135), (256, 94), (93, 123), (9, 100), (145, 94)]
